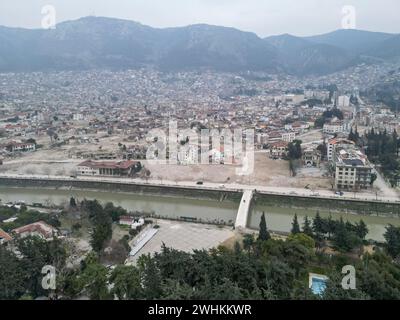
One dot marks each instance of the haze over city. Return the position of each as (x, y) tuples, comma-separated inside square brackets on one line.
[(265, 18)]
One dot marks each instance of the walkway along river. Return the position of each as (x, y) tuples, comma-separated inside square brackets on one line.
[(278, 218)]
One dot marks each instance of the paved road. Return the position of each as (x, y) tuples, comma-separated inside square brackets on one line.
[(392, 197)]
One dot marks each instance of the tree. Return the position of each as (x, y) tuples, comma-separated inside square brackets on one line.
[(294, 150), (72, 202), (344, 239), (279, 277), (177, 290), (126, 281), (114, 212), (264, 234), (392, 237), (323, 149), (295, 225), (227, 290), (35, 254), (319, 225), (94, 279), (302, 239), (101, 233), (335, 291), (248, 242), (307, 229), (361, 229), (102, 223), (296, 255), (12, 275), (329, 226), (151, 277), (373, 178), (114, 253)]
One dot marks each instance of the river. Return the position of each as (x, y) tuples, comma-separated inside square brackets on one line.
[(278, 218)]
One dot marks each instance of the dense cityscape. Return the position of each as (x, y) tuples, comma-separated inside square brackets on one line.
[(194, 183)]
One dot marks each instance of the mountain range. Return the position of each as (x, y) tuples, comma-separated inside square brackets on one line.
[(97, 42)]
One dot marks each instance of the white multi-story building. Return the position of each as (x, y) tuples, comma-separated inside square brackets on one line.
[(78, 117), (343, 101), (188, 155), (289, 136), (333, 143), (352, 168), (336, 126), (15, 146)]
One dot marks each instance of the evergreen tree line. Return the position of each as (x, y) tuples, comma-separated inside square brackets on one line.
[(381, 148), (257, 267)]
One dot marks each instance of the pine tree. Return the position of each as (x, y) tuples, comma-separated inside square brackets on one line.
[(264, 234), (307, 227), (392, 237), (361, 229), (318, 225), (295, 225), (351, 135), (72, 202)]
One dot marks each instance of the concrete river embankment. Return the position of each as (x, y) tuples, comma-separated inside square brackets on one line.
[(200, 204)]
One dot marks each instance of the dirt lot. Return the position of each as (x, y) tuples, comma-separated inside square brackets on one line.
[(267, 172), (62, 161)]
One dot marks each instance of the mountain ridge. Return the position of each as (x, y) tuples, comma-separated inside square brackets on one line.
[(100, 42)]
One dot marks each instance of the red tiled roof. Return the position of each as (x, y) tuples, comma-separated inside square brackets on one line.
[(4, 235), (40, 227), (126, 218), (279, 144)]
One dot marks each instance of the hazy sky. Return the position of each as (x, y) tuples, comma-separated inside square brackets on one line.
[(264, 17)]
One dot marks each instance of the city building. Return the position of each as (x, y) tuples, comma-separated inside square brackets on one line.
[(188, 155), (336, 126), (15, 146), (4, 237), (289, 136), (39, 229), (352, 168), (333, 143), (126, 220), (343, 101), (311, 157), (279, 150), (108, 168)]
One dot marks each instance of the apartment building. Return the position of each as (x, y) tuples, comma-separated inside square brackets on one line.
[(352, 169), (278, 150), (15, 146), (336, 126), (289, 136), (311, 157)]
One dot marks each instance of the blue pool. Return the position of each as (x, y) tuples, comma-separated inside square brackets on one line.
[(318, 285)]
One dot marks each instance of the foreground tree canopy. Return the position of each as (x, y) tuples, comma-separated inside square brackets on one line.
[(257, 267)]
